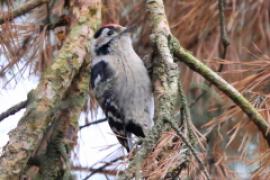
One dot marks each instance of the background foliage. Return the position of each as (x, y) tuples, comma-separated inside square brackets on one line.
[(31, 41)]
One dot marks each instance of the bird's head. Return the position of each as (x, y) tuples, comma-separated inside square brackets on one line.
[(108, 33)]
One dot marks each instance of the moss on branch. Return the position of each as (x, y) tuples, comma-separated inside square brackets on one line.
[(197, 66), (54, 84), (63, 135), (165, 82)]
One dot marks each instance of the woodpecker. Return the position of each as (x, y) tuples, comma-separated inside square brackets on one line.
[(121, 84)]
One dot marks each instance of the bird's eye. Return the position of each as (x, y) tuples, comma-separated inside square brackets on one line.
[(109, 33)]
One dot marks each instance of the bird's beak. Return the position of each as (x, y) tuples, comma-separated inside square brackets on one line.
[(124, 31), (128, 29)]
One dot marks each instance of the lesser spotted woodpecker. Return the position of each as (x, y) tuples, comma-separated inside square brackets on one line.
[(121, 84)]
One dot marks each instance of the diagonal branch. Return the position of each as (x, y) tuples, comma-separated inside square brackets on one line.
[(165, 84), (97, 170), (14, 109), (196, 65), (93, 122), (223, 50), (23, 9), (102, 168)]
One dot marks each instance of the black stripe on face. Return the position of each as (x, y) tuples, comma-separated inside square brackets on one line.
[(98, 33), (103, 50), (135, 129)]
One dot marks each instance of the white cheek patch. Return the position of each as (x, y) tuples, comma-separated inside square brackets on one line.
[(152, 109), (97, 80)]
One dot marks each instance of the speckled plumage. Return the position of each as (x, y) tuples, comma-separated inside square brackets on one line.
[(121, 84)]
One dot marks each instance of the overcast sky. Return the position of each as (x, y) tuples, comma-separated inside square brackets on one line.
[(92, 143)]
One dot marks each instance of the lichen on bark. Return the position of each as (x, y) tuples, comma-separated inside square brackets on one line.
[(165, 84), (54, 84)]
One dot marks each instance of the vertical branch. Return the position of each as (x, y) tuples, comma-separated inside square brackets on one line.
[(188, 133), (224, 43), (54, 159), (165, 82), (223, 48), (223, 33)]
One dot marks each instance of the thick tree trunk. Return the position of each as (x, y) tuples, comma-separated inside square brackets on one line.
[(165, 82), (48, 102)]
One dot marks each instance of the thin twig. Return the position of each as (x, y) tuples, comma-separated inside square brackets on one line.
[(100, 169), (14, 109), (94, 122), (184, 139), (23, 9), (223, 33), (198, 98), (225, 43), (87, 169)]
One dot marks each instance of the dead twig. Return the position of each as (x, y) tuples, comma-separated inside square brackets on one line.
[(184, 139), (102, 168), (87, 169), (93, 123), (16, 108), (223, 33), (225, 43)]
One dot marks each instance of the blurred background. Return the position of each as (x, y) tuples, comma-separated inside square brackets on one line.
[(233, 148)]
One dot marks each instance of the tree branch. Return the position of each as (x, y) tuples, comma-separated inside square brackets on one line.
[(164, 80), (61, 136), (94, 122), (223, 33), (16, 108), (23, 9), (55, 82), (196, 65), (102, 168), (224, 40), (97, 170)]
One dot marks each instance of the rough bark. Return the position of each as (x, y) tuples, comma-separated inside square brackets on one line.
[(165, 82), (165, 85), (53, 156), (44, 100)]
